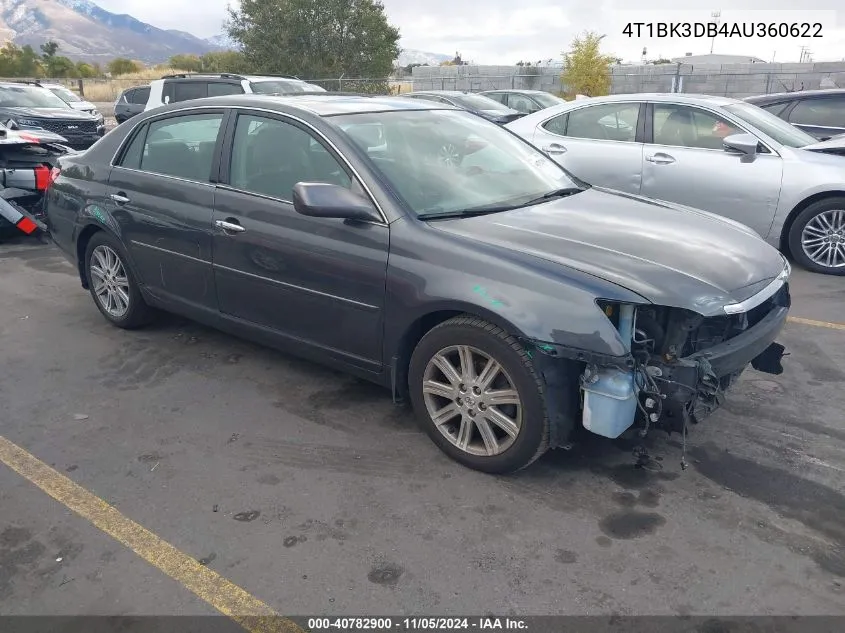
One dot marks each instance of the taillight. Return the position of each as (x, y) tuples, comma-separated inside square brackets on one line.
[(45, 176), (42, 177)]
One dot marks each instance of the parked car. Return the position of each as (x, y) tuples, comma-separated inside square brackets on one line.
[(525, 101), (478, 104), (495, 295), (713, 153), (27, 159), (32, 107), (131, 101), (820, 113), (72, 99), (185, 86)]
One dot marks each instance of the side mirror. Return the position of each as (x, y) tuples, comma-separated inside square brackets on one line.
[(166, 99), (743, 143), (322, 200)]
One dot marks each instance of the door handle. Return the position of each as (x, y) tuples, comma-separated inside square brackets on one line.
[(660, 159), (119, 198), (229, 226), (554, 148)]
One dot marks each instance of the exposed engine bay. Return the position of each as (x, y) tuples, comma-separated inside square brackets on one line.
[(679, 366)]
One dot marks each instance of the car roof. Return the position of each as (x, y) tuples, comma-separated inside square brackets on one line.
[(318, 103), (453, 93), (671, 97), (790, 96), (19, 84), (517, 90)]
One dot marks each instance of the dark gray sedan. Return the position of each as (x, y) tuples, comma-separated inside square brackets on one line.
[(509, 302)]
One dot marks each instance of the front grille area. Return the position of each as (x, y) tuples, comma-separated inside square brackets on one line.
[(679, 333), (69, 128)]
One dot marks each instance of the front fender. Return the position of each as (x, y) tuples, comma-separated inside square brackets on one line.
[(536, 300)]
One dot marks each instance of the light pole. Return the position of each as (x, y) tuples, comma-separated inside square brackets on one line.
[(716, 16)]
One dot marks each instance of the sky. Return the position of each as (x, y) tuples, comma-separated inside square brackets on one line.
[(505, 32)]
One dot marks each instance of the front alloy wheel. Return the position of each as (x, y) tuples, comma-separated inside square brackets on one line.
[(817, 236), (476, 393), (472, 400), (823, 238)]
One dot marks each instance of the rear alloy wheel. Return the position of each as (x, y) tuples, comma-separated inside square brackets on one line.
[(475, 391), (112, 285), (817, 237)]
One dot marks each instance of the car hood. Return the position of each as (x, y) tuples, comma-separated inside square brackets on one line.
[(49, 113), (502, 116), (835, 144), (669, 255), (85, 106)]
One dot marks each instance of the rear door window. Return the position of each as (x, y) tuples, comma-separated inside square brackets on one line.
[(139, 95), (180, 146), (221, 88), (187, 90), (605, 122), (820, 111)]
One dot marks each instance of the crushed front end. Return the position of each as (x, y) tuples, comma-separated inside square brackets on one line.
[(678, 367)]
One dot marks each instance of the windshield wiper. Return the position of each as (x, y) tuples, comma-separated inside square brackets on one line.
[(557, 193), (468, 213)]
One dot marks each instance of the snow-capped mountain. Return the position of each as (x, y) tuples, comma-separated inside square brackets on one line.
[(84, 30), (412, 56)]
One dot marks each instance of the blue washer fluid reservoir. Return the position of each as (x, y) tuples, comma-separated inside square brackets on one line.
[(610, 394)]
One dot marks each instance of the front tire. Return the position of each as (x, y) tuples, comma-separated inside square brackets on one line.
[(817, 237), (474, 390), (111, 283)]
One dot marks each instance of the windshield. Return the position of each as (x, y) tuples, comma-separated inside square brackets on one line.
[(546, 99), (447, 161), (68, 96), (478, 102), (778, 129), (279, 86), (29, 97)]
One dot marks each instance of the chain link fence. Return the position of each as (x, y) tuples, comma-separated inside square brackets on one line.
[(730, 80)]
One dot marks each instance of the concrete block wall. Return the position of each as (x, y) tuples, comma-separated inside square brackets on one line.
[(732, 80)]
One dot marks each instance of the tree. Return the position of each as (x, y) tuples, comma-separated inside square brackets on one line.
[(60, 66), (585, 69), (315, 38), (122, 66), (86, 70), (224, 62), (49, 49), (189, 63)]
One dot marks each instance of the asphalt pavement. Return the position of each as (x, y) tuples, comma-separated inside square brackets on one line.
[(312, 492)]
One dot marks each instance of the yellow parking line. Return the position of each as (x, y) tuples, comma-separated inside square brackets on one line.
[(813, 322), (229, 599)]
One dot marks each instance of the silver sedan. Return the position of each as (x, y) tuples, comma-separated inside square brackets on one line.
[(712, 153)]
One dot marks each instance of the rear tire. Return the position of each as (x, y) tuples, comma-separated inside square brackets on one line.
[(493, 421), (818, 230), (112, 285)]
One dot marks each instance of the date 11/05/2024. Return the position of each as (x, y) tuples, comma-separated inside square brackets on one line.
[(711, 29)]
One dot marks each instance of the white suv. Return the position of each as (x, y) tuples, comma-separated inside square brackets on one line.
[(183, 87)]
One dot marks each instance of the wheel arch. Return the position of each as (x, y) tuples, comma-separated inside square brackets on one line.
[(783, 241), (88, 231), (412, 333)]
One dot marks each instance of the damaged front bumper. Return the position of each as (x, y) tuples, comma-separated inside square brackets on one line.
[(679, 380)]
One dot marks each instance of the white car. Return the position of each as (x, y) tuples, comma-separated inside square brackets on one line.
[(72, 99), (717, 154), (187, 86)]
